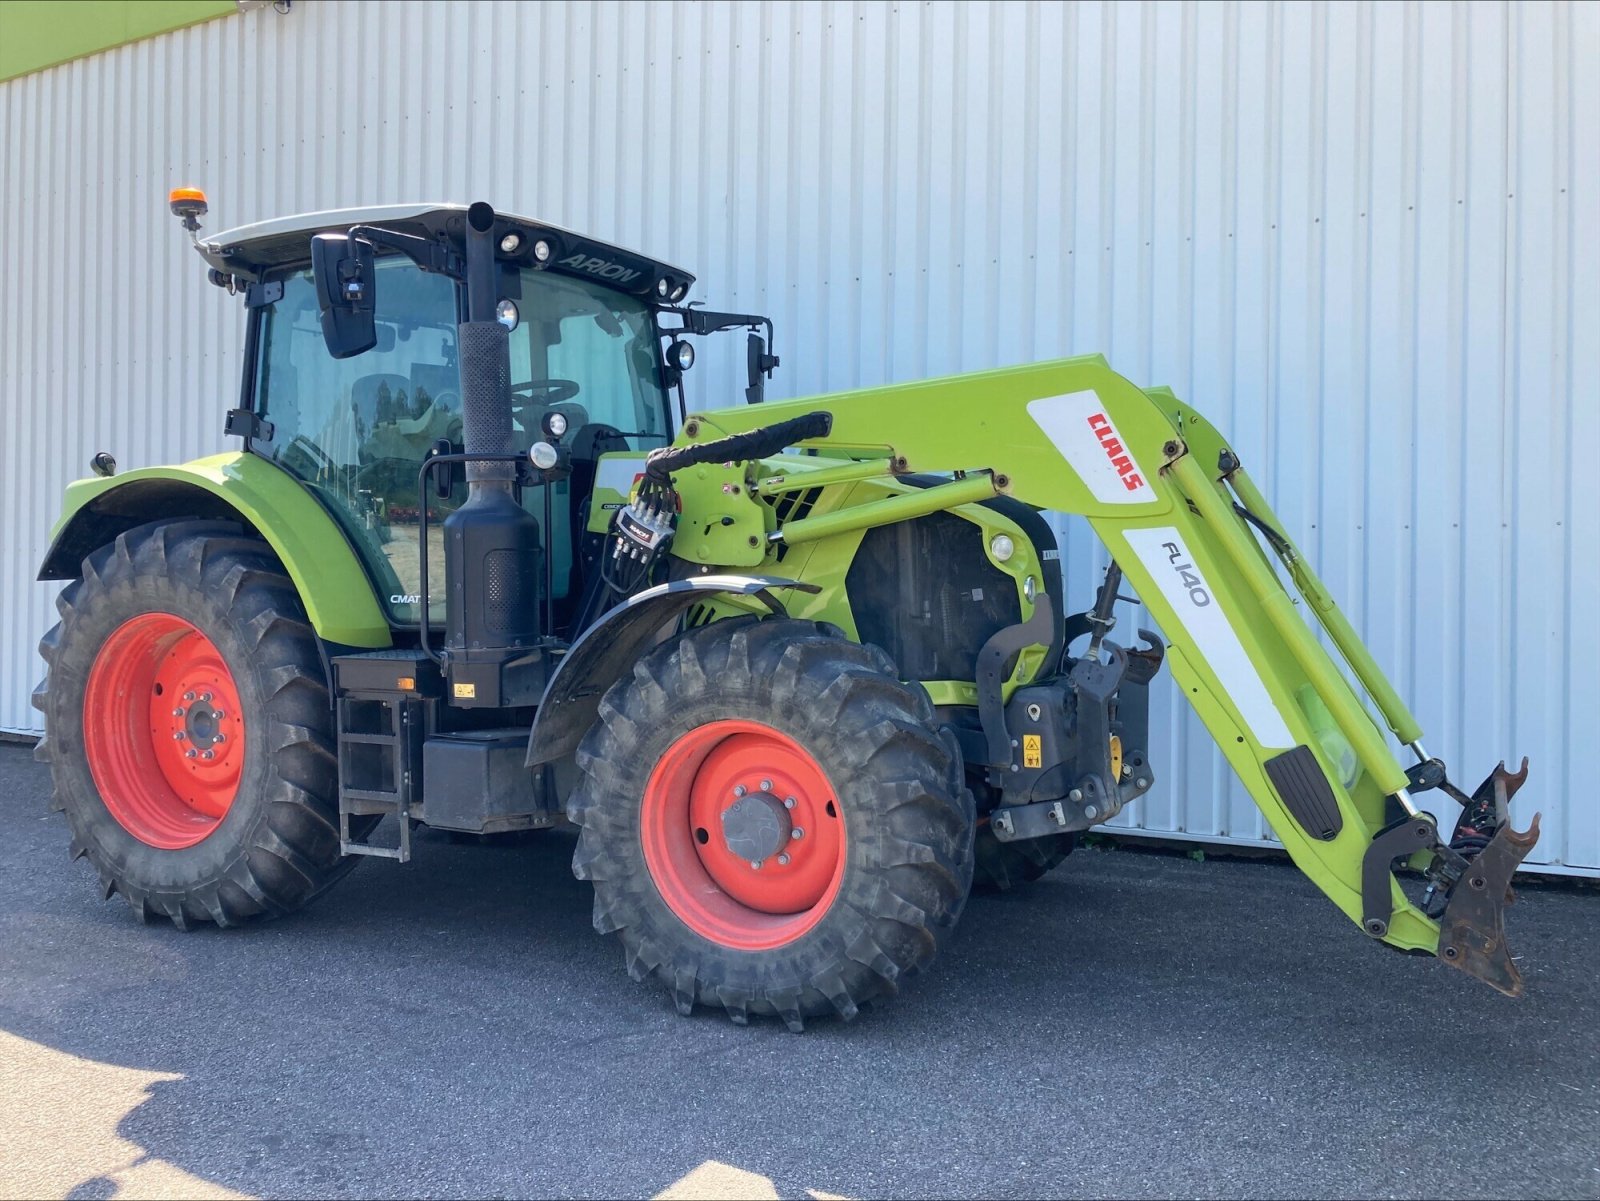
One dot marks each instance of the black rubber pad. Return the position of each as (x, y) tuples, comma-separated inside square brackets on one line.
[(1305, 790)]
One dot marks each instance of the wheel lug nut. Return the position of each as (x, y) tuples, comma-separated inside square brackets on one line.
[(188, 696), (178, 712), (218, 714), (178, 736), (797, 832), (738, 790), (783, 860), (766, 786), (209, 755), (788, 802), (206, 697), (189, 754), (220, 738), (756, 864)]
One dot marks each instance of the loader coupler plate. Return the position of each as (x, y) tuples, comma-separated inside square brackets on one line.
[(1472, 933)]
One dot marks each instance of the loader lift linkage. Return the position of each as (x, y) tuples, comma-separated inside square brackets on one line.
[(801, 674)]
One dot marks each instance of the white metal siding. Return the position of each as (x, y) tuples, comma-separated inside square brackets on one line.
[(1361, 237)]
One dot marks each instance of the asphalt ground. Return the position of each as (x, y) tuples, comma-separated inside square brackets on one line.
[(1136, 1024)]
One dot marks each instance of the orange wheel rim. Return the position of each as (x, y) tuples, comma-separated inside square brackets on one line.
[(162, 731), (743, 835)]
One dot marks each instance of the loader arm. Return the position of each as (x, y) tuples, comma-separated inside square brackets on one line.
[(1164, 492)]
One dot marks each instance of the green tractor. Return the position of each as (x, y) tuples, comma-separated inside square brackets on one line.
[(800, 674)]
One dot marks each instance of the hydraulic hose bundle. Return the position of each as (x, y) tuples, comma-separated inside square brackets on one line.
[(644, 527)]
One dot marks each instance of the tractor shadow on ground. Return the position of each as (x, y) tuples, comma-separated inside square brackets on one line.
[(454, 1026)]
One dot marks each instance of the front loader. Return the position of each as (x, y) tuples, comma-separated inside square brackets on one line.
[(801, 675)]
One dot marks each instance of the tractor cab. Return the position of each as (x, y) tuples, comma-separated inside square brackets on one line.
[(589, 329)]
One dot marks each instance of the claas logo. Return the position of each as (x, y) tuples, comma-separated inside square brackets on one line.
[(1112, 445)]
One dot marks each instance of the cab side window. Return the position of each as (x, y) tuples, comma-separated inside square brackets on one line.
[(356, 430)]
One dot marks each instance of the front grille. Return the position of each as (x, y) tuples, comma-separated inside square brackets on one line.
[(926, 592), (792, 506)]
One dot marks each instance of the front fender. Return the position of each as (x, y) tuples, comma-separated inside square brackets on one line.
[(333, 586), (607, 650)]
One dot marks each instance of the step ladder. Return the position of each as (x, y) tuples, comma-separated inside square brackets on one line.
[(383, 717)]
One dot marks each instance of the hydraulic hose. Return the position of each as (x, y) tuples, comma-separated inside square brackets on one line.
[(756, 444)]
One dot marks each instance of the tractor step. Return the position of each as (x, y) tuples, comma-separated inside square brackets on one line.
[(383, 720), (394, 759)]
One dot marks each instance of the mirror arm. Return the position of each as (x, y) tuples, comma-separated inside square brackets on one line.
[(425, 253)]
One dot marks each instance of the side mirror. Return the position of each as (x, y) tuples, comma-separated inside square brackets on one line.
[(346, 293), (759, 365)]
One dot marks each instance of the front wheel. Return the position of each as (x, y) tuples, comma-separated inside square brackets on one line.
[(772, 822)]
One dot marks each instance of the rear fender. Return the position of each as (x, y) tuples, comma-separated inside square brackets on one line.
[(333, 586), (607, 650)]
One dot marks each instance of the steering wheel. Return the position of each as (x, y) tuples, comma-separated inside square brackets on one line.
[(541, 393), (546, 391)]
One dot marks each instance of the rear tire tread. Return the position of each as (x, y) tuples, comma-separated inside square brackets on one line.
[(292, 854)]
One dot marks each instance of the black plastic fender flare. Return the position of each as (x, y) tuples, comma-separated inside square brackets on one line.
[(608, 649)]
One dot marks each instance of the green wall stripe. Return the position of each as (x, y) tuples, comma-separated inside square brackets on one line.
[(35, 34)]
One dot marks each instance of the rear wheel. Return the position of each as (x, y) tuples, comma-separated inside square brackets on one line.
[(772, 822), (188, 728), (1001, 866)]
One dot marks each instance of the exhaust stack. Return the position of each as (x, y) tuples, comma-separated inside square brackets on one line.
[(494, 561)]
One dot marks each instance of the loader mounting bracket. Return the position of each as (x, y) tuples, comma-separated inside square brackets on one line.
[(1404, 837)]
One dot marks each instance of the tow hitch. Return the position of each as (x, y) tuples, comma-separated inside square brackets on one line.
[(1469, 878)]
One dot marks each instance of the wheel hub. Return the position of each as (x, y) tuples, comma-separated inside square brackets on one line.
[(756, 827)]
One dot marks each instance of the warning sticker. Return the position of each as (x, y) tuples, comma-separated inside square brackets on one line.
[(1032, 750)]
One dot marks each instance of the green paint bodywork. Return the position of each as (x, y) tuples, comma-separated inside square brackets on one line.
[(336, 592), (35, 34), (980, 422)]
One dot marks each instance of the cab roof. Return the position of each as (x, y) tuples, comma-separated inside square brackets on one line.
[(284, 243)]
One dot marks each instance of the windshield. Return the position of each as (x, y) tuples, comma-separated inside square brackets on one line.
[(357, 430)]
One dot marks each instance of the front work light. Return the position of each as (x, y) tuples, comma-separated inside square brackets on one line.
[(680, 355)]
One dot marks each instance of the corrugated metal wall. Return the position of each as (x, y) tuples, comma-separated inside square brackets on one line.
[(1362, 237)]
